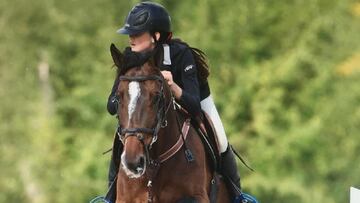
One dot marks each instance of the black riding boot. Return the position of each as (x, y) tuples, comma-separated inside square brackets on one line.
[(113, 169), (229, 170), (111, 194)]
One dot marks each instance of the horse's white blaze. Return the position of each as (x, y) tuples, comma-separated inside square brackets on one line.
[(134, 93)]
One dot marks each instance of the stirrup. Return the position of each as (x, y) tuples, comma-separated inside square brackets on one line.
[(99, 199), (245, 198)]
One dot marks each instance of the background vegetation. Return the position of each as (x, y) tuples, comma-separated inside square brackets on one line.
[(285, 76)]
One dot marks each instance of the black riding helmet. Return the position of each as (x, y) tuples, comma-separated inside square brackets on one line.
[(146, 16)]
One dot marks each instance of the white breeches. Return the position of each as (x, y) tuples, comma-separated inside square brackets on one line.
[(209, 107)]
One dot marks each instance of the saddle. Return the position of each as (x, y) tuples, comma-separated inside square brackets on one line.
[(206, 130)]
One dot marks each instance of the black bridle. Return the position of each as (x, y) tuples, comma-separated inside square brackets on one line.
[(161, 121)]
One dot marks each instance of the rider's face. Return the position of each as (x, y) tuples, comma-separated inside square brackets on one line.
[(141, 42)]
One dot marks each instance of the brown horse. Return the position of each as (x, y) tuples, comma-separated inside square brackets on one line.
[(155, 136)]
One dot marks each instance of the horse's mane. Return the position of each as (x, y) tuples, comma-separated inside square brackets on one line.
[(132, 59)]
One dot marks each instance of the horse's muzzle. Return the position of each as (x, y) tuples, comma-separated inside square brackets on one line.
[(134, 168)]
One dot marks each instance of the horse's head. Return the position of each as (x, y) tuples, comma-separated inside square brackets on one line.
[(142, 109)]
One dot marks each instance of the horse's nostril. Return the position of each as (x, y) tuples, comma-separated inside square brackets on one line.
[(137, 166)]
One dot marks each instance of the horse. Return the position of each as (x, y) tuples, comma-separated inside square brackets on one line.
[(163, 159)]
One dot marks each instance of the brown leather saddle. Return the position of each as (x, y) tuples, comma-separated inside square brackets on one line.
[(206, 130)]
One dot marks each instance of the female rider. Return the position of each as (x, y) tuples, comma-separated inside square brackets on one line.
[(148, 26)]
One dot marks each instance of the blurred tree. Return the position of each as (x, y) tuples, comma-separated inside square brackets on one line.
[(291, 106)]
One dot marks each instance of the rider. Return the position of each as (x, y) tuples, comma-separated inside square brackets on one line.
[(148, 26)]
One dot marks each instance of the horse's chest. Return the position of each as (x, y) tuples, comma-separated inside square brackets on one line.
[(139, 198)]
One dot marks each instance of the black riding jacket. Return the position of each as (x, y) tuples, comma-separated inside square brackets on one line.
[(179, 60)]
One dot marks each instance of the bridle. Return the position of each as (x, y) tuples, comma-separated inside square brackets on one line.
[(161, 121)]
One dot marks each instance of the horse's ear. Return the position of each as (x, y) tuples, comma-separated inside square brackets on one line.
[(116, 55)]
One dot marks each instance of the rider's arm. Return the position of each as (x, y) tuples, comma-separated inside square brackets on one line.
[(190, 95)]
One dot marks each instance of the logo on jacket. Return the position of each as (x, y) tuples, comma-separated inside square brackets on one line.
[(189, 67)]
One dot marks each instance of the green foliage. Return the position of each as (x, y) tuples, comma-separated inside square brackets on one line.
[(291, 106)]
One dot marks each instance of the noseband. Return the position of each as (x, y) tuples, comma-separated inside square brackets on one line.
[(161, 121)]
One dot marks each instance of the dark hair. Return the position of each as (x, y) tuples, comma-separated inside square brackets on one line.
[(165, 37)]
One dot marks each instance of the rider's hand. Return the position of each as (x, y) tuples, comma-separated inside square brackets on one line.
[(168, 77), (175, 89)]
